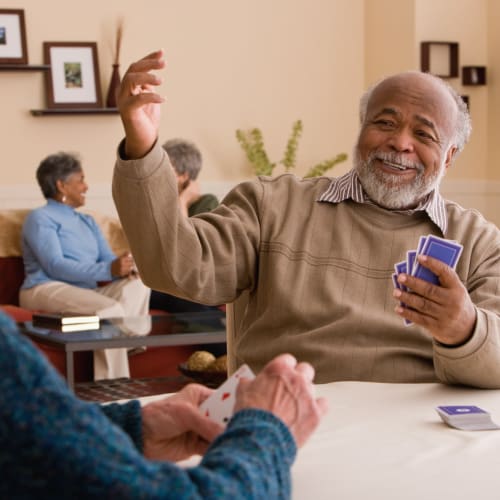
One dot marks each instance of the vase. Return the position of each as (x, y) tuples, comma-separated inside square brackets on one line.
[(114, 85)]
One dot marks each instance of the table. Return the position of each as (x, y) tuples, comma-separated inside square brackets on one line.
[(156, 330), (386, 441)]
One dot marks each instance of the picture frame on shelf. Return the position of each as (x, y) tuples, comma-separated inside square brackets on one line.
[(13, 47), (73, 80), (439, 58), (473, 75)]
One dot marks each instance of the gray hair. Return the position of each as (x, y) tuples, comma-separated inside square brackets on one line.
[(463, 125), (56, 167), (184, 156)]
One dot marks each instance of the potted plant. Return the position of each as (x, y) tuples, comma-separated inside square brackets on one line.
[(252, 143)]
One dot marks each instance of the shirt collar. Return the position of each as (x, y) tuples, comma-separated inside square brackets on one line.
[(348, 186)]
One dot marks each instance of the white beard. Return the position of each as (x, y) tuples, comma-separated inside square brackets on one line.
[(390, 191)]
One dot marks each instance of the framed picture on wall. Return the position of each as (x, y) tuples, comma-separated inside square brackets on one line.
[(73, 80), (12, 37), (439, 58)]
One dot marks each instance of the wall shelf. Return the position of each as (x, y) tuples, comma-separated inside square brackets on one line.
[(24, 67), (473, 75), (75, 111), (439, 58)]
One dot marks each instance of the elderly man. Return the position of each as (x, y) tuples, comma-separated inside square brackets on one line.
[(186, 159), (314, 257)]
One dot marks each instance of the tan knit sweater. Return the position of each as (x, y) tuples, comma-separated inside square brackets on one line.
[(318, 274)]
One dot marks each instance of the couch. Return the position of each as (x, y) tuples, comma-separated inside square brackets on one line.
[(154, 362)]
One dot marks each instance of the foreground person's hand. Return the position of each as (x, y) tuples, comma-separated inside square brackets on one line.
[(174, 428), (284, 387)]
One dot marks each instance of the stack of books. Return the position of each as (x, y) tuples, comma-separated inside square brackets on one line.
[(66, 322)]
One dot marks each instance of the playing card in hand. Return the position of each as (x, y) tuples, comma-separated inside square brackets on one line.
[(220, 405), (446, 251)]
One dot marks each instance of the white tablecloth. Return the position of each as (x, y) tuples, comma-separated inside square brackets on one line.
[(386, 441)]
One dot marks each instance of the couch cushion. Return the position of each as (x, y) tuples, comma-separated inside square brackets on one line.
[(11, 279), (16, 313), (11, 223)]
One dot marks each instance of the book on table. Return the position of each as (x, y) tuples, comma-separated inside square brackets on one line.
[(77, 327), (58, 320)]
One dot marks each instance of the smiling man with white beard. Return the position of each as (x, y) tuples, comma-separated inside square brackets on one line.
[(306, 263)]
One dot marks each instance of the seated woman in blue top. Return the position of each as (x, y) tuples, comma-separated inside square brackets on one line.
[(53, 445), (66, 255)]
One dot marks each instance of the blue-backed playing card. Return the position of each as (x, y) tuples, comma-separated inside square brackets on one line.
[(446, 251), (467, 418), (400, 267), (411, 255)]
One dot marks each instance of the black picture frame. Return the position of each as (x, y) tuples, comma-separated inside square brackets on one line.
[(439, 58)]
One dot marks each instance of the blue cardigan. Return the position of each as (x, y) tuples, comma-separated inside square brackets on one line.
[(62, 244), (53, 445)]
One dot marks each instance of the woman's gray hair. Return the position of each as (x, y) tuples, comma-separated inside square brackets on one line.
[(56, 167), (184, 156), (463, 125)]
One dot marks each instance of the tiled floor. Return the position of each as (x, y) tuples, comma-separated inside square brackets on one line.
[(126, 388)]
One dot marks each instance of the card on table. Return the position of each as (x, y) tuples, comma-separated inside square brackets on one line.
[(467, 418), (219, 406)]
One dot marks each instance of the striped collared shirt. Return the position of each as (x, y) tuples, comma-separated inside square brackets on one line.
[(348, 186)]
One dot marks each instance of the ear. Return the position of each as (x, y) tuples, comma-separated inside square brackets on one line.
[(450, 154), (60, 186), (183, 177)]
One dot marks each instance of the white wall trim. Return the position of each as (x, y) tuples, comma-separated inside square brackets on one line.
[(98, 196)]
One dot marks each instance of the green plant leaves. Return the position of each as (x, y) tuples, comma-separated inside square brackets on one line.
[(252, 143)]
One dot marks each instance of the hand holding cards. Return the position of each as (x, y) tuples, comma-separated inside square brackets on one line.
[(220, 405), (284, 387), (446, 251)]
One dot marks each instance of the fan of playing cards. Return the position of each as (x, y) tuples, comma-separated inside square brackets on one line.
[(446, 251)]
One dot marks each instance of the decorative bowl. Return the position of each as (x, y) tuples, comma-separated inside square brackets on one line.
[(205, 377)]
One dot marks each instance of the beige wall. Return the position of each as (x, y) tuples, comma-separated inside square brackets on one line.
[(243, 63), (465, 22), (231, 64), (493, 75), (389, 38)]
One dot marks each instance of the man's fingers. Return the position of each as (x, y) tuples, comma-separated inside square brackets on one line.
[(306, 370), (322, 406), (194, 421), (195, 393), (445, 273), (280, 362), (152, 61)]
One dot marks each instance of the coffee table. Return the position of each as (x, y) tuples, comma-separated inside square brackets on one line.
[(155, 330)]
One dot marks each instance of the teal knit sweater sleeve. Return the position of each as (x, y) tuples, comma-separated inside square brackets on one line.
[(53, 445)]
